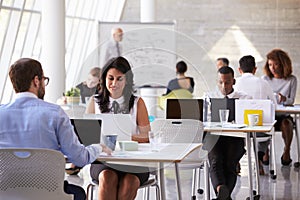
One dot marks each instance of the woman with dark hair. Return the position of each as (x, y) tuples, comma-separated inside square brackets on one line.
[(278, 70), (181, 81), (116, 96)]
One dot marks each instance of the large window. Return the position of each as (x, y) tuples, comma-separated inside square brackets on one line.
[(20, 34)]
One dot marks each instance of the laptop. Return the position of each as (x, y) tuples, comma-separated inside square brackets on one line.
[(222, 103), (88, 131), (115, 124), (184, 109)]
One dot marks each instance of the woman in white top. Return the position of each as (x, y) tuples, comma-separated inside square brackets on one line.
[(278, 70), (116, 96)]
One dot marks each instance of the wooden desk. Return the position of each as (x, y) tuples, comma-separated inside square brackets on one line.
[(216, 129), (168, 153), (293, 110)]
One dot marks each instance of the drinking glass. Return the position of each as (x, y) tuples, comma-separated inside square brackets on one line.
[(224, 114), (154, 140)]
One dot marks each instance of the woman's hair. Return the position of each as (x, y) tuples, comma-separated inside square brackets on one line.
[(283, 60), (122, 65), (96, 72), (181, 67), (23, 71)]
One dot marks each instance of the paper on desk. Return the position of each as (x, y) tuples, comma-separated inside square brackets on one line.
[(125, 153), (230, 125)]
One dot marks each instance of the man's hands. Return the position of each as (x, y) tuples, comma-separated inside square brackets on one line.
[(105, 149)]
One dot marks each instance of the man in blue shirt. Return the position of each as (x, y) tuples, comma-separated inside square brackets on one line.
[(30, 122)]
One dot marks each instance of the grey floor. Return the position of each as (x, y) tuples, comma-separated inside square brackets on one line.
[(285, 187)]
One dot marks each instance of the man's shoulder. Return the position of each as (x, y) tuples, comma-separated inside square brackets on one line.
[(48, 106), (109, 43), (241, 95)]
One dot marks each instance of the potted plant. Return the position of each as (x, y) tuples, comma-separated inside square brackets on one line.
[(73, 96)]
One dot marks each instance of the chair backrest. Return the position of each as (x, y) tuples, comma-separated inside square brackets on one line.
[(32, 174), (174, 94), (178, 130)]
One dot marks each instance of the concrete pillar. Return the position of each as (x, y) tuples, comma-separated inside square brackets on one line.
[(147, 10), (53, 47), (149, 94)]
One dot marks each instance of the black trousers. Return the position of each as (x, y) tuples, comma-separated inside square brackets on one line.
[(77, 191), (223, 158)]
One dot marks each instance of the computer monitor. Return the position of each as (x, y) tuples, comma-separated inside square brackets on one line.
[(184, 109), (88, 131), (222, 103)]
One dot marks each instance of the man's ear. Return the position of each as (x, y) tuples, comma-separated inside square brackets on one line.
[(36, 81), (234, 81), (240, 70), (254, 70)]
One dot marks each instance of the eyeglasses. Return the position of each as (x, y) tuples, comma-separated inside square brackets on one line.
[(46, 80)]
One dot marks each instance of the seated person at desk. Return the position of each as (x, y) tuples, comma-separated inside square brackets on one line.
[(30, 122), (221, 62), (258, 89), (224, 152), (87, 88), (181, 82), (278, 70), (116, 96)]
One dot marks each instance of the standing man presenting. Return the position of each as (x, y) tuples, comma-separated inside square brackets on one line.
[(112, 48), (30, 122)]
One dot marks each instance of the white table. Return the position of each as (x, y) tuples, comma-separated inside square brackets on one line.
[(168, 153), (216, 129), (293, 110)]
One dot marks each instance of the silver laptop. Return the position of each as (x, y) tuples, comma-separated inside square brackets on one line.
[(115, 124)]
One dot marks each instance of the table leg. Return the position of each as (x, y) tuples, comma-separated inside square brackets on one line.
[(177, 177), (207, 186), (161, 177), (248, 147), (273, 158), (256, 163), (296, 164)]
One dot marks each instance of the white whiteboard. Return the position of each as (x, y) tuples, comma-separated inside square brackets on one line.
[(149, 47)]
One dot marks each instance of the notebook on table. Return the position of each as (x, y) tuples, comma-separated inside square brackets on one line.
[(88, 131), (222, 103), (184, 109)]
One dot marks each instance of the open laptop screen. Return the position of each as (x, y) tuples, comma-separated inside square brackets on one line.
[(88, 131), (222, 103), (184, 109), (114, 124)]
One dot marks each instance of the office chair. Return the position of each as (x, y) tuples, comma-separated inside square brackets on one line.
[(184, 131), (30, 174), (174, 94), (146, 186)]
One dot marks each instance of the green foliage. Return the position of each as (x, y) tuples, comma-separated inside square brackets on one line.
[(73, 92)]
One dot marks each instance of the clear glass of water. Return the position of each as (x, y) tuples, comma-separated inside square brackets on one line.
[(154, 140), (224, 114)]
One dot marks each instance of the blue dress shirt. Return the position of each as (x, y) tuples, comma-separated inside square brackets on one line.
[(29, 122)]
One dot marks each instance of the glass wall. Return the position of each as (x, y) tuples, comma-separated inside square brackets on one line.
[(20, 34)]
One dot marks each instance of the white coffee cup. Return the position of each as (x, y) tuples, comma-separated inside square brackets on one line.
[(253, 119)]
